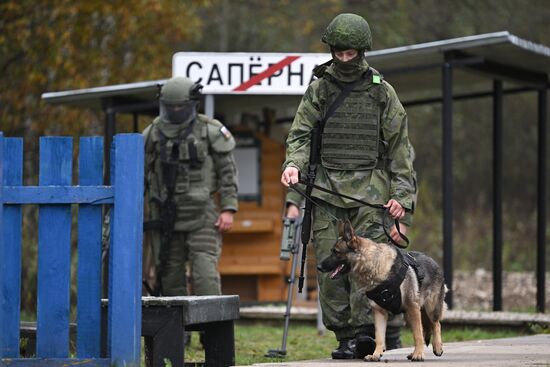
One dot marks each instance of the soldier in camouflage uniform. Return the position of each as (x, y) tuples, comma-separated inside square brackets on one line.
[(191, 153), (365, 153)]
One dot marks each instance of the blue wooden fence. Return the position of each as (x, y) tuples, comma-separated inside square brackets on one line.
[(55, 195)]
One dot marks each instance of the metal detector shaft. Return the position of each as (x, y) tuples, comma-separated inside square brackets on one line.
[(291, 282), (281, 353)]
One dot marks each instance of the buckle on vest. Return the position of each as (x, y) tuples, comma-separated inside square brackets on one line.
[(386, 295)]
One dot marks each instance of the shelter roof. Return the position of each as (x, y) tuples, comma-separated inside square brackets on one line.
[(414, 70)]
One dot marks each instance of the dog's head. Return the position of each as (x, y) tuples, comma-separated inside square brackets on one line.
[(338, 262)]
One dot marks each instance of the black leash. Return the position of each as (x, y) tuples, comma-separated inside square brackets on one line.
[(375, 206)]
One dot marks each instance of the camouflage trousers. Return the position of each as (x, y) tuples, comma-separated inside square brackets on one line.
[(201, 250), (346, 311)]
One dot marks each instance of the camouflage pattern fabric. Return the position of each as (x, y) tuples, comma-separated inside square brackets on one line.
[(348, 31), (201, 250), (196, 239), (346, 310), (373, 186)]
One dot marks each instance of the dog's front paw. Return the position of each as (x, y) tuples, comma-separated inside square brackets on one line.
[(373, 357), (416, 356)]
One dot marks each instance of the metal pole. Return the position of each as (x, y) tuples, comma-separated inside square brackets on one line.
[(209, 105), (291, 281), (541, 202), (109, 133), (136, 122), (497, 195), (447, 110), (295, 253)]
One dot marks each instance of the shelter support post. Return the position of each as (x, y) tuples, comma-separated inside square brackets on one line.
[(209, 105), (497, 194), (447, 114), (109, 132), (135, 116), (541, 193)]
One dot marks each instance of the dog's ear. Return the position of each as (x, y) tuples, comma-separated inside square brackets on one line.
[(348, 233)]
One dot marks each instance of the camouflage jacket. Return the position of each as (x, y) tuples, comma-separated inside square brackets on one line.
[(375, 186), (194, 187)]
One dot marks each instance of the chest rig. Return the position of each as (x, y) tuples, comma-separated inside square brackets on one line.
[(181, 156), (351, 138), (180, 169)]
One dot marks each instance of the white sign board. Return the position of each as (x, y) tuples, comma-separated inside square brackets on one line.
[(248, 73)]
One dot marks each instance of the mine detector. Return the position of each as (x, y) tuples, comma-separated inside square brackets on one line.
[(256, 96)]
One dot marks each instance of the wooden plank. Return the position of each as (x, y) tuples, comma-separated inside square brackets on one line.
[(250, 269), (271, 288), (252, 226), (11, 173), (252, 244), (58, 195), (251, 265), (54, 252), (124, 317), (88, 342)]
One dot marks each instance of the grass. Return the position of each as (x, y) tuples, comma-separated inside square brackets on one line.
[(254, 339)]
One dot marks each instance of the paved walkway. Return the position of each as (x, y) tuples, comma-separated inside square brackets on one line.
[(511, 352)]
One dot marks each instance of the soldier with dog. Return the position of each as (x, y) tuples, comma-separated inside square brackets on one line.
[(364, 152)]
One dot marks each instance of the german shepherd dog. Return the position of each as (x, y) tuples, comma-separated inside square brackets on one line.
[(378, 268)]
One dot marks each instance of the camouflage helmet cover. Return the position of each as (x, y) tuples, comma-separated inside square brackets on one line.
[(348, 31)]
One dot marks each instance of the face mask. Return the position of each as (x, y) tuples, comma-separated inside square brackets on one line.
[(350, 70), (178, 113), (350, 67)]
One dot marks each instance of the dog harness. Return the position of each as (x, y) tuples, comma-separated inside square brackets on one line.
[(388, 294)]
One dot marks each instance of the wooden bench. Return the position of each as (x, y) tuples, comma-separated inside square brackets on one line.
[(165, 319), (163, 323)]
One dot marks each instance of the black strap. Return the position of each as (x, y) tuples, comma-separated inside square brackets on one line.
[(375, 206)]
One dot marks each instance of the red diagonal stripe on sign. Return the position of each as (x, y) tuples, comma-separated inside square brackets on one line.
[(266, 73)]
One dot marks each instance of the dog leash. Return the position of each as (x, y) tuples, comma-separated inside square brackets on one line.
[(375, 206)]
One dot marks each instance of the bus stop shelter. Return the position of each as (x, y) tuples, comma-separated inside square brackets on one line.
[(481, 66)]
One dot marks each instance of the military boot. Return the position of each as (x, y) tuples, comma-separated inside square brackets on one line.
[(364, 345), (393, 338), (345, 349)]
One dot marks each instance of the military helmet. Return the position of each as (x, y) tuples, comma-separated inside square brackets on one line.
[(178, 100), (348, 31), (180, 89)]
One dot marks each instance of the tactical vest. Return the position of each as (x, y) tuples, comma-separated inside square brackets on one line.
[(351, 137), (183, 165), (388, 293)]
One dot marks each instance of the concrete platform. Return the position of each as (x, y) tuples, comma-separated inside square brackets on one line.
[(451, 317), (510, 352)]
